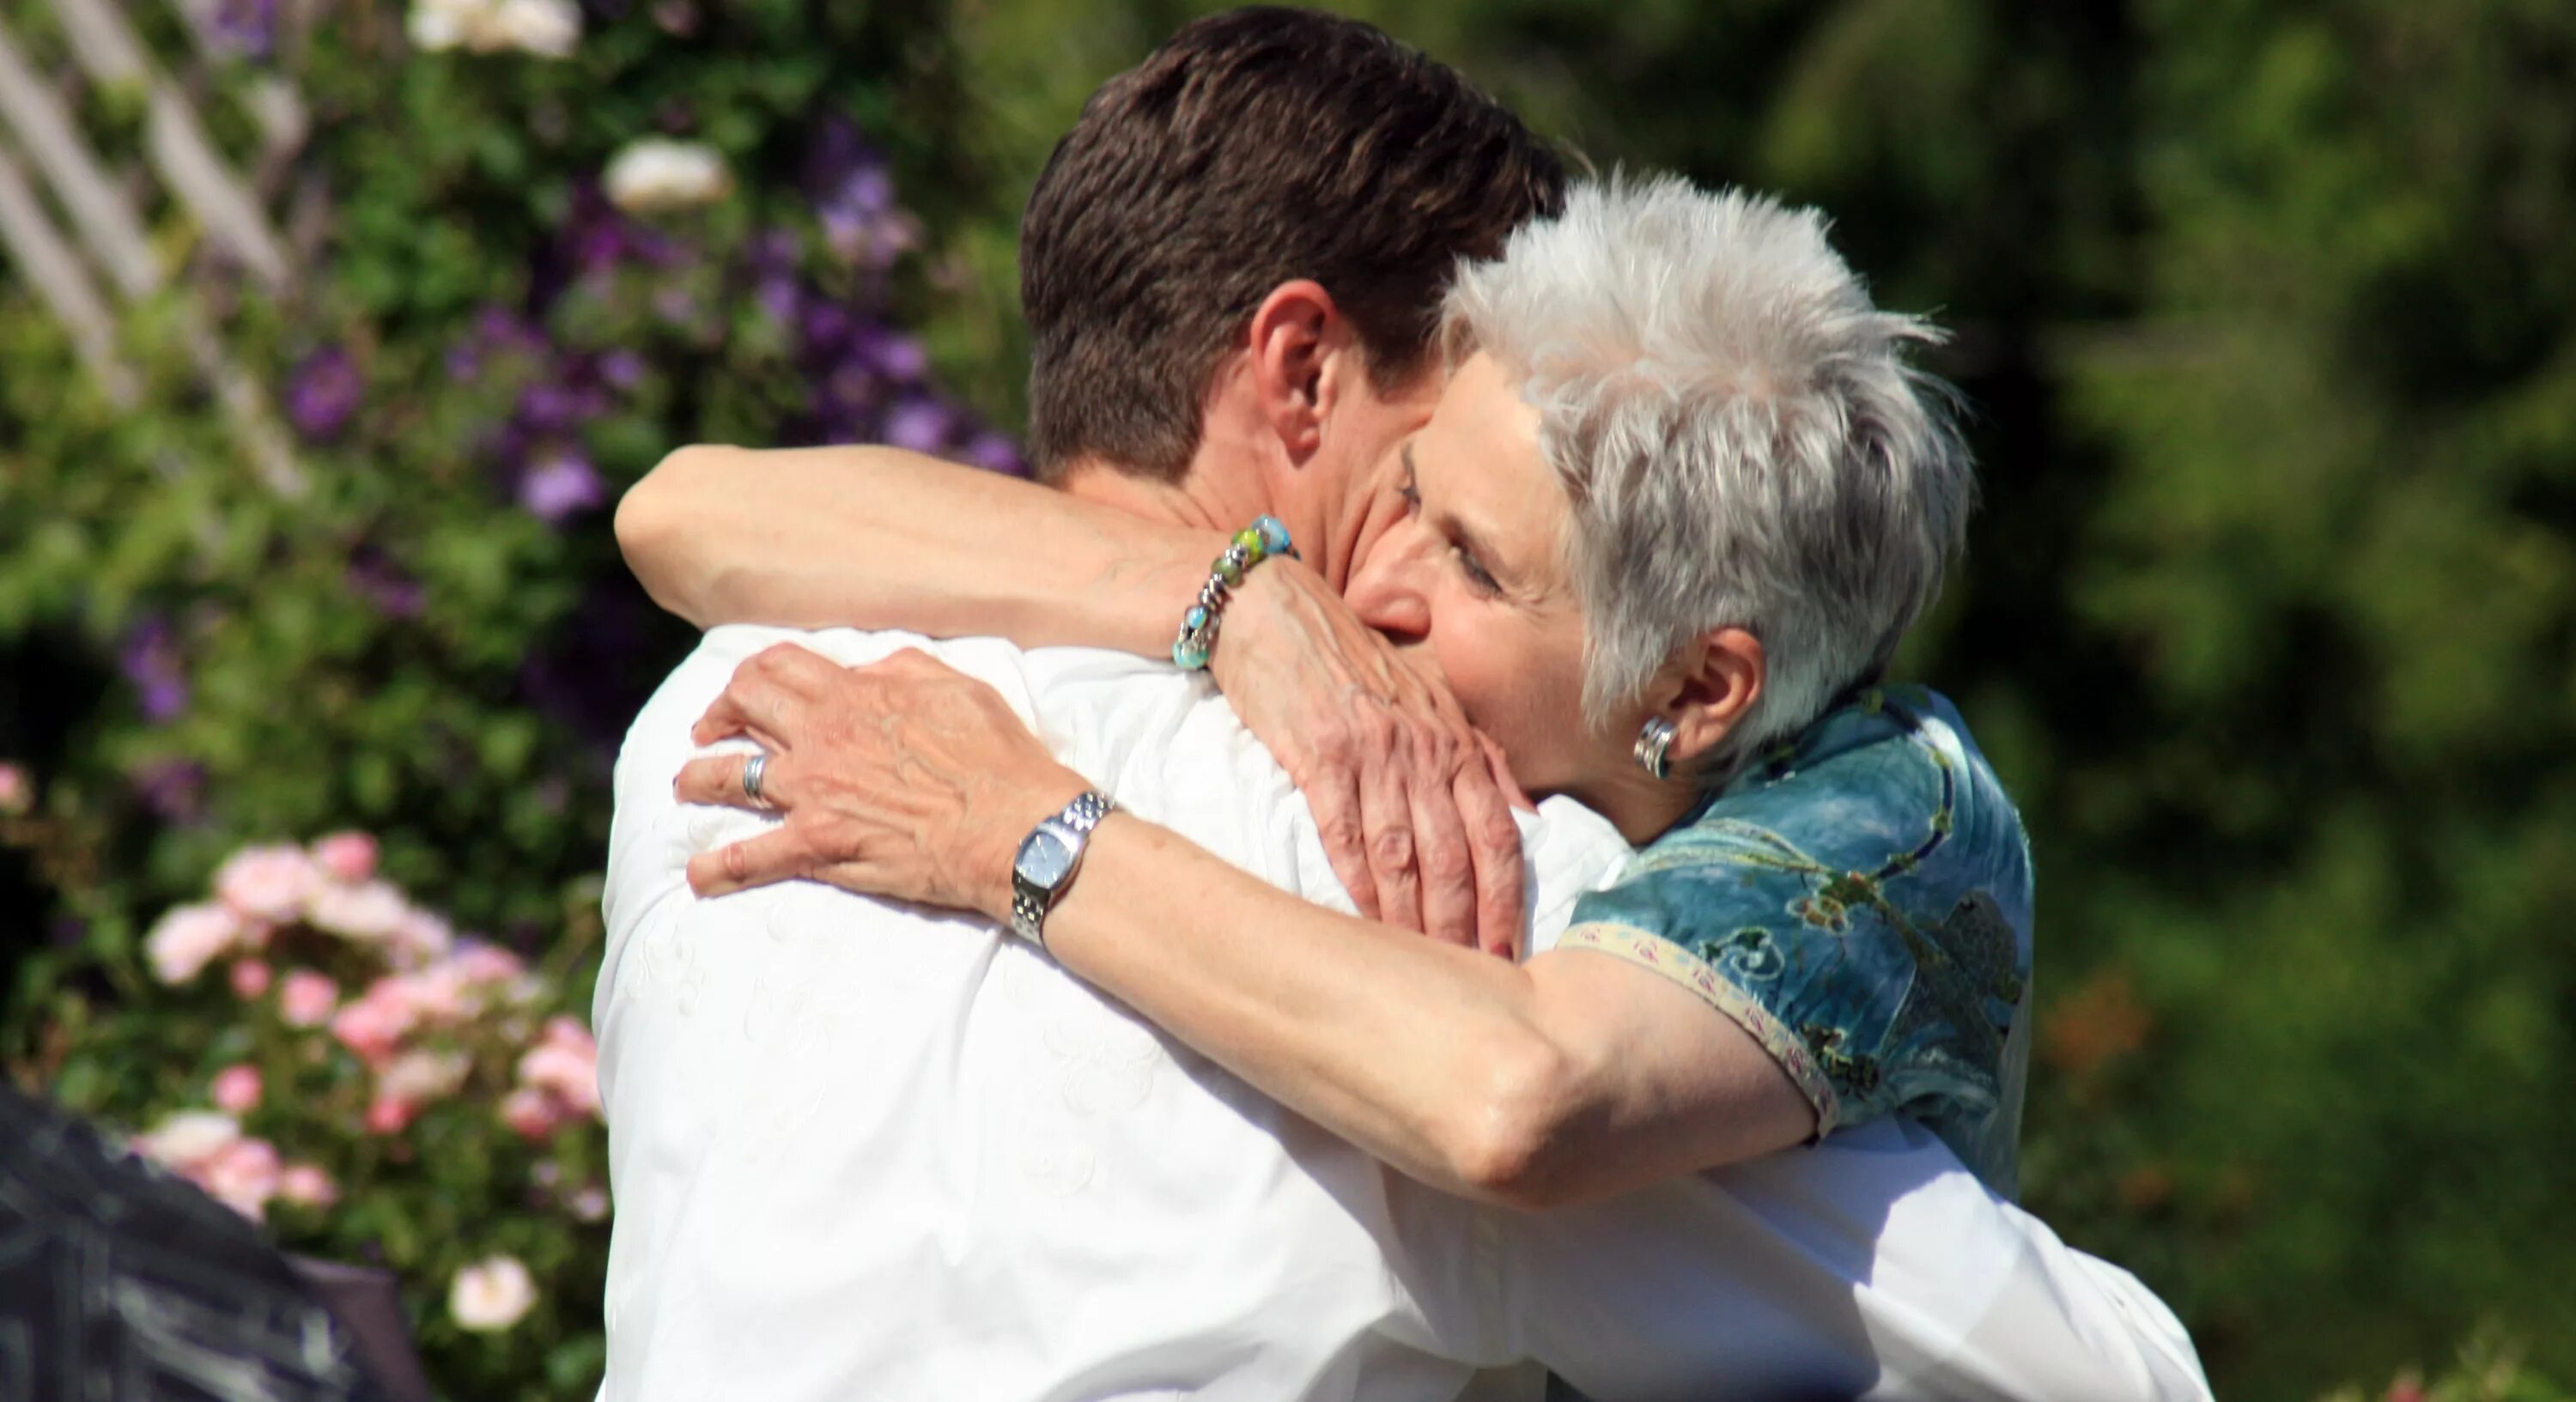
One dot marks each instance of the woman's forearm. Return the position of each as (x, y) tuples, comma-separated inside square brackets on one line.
[(883, 538), (1429, 1056)]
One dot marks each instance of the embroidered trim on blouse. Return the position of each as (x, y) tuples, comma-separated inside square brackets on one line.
[(1696, 974)]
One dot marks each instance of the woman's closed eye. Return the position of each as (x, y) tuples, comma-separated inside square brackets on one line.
[(1478, 578)]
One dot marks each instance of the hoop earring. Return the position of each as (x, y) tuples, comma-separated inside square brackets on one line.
[(1652, 743)]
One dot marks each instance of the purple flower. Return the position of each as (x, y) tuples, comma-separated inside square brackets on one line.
[(622, 369), (827, 327), (779, 298), (996, 452), (173, 789), (247, 27), (382, 583), (150, 660), (922, 425), (547, 408), (559, 487), (322, 394), (899, 356)]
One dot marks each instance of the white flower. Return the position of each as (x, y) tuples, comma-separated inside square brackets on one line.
[(190, 1138), (492, 1294), (438, 25), (268, 883), (368, 912), (654, 174), (188, 938), (416, 1076), (546, 28)]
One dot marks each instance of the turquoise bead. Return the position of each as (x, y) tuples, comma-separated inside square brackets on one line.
[(1274, 535), (1196, 618)]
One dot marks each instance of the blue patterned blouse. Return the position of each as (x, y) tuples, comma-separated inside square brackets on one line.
[(1860, 903)]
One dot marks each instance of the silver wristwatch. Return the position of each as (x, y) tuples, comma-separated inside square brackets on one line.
[(1046, 863)]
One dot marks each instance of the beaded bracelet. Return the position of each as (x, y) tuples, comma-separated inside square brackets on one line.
[(1251, 545)]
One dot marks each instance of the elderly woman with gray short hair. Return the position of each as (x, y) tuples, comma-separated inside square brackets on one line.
[(1681, 498)]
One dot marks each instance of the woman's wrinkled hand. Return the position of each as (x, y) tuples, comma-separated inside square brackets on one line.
[(1414, 805), (902, 778)]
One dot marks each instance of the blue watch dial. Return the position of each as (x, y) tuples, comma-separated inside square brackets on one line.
[(1045, 857)]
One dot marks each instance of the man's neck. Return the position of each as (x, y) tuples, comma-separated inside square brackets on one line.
[(1224, 489)]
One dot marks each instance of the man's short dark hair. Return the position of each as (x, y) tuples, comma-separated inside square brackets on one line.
[(1256, 147)]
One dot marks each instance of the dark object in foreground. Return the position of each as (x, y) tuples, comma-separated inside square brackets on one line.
[(121, 1281)]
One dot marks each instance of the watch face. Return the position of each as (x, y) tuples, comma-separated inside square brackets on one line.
[(1045, 857)]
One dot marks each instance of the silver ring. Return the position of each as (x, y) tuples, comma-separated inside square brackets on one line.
[(754, 770)]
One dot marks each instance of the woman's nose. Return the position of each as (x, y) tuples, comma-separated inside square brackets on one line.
[(1385, 590)]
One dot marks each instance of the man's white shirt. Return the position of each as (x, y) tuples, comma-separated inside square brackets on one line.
[(867, 1150)]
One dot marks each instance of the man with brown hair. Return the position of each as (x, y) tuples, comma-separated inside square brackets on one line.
[(1231, 270), (853, 1158)]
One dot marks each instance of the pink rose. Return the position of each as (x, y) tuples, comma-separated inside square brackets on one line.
[(368, 913), (243, 1177), (565, 1030), (237, 1088), (373, 1026), (387, 1115), (565, 1073), (268, 883), (437, 994), (420, 938), (477, 962), (307, 999), (185, 940), (531, 1112), (308, 1185), (346, 856), (17, 795), (250, 979)]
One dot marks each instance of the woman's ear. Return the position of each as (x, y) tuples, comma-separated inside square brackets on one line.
[(1720, 680), (1296, 332)]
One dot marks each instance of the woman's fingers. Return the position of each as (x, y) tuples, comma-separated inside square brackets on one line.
[(1333, 796), (1443, 859), (781, 854), (1386, 825), (1495, 839), (718, 779), (768, 693)]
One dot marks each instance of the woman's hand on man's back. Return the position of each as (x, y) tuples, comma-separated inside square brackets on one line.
[(1413, 804)]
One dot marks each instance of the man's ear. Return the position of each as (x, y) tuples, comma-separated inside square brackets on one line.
[(1721, 677), (1296, 332)]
